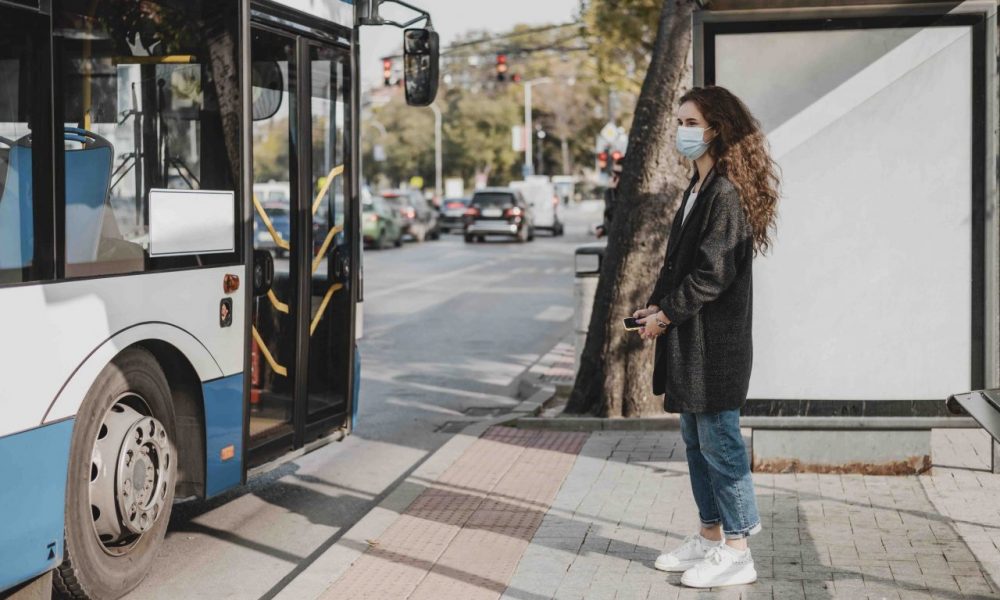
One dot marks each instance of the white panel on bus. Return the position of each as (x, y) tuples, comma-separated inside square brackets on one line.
[(867, 292), (191, 222), (56, 335)]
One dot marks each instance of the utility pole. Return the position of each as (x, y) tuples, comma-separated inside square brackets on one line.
[(437, 152), (528, 137)]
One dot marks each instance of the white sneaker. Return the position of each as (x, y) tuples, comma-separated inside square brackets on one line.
[(688, 554), (721, 566)]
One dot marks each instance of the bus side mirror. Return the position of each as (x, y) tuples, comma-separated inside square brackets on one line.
[(263, 272), (267, 86), (420, 66)]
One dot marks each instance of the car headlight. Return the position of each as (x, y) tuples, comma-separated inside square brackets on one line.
[(263, 236)]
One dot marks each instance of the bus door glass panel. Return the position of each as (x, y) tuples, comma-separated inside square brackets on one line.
[(330, 320), (273, 343), (22, 71), (146, 96)]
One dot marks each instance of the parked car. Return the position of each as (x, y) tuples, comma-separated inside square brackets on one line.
[(540, 195), (381, 224), (452, 215), (499, 211), (281, 219), (273, 191), (419, 219)]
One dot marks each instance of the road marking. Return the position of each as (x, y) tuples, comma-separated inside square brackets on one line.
[(555, 313), (426, 280)]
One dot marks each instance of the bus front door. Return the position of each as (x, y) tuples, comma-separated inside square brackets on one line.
[(301, 347)]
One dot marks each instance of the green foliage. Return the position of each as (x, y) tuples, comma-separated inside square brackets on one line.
[(270, 151), (479, 111), (408, 143), (477, 135), (621, 34)]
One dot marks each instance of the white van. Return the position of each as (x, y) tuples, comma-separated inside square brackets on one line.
[(541, 196)]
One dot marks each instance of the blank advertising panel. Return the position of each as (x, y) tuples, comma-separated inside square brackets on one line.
[(867, 292)]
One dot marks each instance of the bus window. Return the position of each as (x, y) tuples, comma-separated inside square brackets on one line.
[(18, 67), (149, 95)]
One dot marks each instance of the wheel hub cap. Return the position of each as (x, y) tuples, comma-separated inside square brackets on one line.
[(130, 475)]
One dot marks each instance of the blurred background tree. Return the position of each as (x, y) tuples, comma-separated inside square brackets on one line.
[(595, 64), (622, 33)]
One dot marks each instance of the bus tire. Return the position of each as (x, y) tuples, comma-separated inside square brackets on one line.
[(129, 400)]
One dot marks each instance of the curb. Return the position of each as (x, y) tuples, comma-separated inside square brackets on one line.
[(317, 578)]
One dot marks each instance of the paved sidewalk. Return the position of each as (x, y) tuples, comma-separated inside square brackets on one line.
[(463, 536), (530, 515)]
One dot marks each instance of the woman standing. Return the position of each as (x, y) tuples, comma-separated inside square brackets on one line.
[(700, 315)]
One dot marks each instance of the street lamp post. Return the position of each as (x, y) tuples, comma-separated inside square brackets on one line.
[(437, 152), (528, 141)]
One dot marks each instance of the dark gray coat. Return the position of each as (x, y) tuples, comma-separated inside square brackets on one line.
[(706, 290)]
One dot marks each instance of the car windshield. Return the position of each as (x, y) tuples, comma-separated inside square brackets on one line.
[(493, 200), (276, 211)]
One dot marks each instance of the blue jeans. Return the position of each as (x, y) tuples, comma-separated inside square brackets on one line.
[(720, 472)]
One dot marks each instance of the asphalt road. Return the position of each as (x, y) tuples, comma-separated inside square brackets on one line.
[(448, 328)]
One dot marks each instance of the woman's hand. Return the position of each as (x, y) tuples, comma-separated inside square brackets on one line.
[(642, 313), (655, 325)]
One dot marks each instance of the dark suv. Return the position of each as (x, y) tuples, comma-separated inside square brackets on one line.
[(419, 218), (499, 211)]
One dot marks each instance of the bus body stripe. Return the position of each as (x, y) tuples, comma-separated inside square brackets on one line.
[(223, 433), (32, 501)]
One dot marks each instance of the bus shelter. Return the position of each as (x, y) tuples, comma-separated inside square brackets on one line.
[(883, 281), (880, 296)]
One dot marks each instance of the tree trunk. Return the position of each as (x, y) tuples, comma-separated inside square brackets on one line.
[(615, 376)]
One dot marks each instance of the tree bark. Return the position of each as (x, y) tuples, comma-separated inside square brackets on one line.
[(615, 375)]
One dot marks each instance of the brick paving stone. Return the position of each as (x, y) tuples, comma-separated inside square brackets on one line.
[(464, 535)]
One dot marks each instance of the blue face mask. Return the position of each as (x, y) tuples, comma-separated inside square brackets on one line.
[(691, 141)]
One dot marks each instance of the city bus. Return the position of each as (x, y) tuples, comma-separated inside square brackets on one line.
[(160, 335)]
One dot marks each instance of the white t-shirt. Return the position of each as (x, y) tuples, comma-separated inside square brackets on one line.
[(692, 197)]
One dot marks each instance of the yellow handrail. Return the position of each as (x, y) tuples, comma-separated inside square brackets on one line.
[(326, 186), (318, 260), (322, 306), (280, 241), (278, 304), (172, 59), (278, 369)]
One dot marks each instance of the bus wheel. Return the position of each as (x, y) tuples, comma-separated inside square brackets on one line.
[(120, 485)]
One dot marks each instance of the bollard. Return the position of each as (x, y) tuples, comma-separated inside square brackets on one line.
[(587, 262)]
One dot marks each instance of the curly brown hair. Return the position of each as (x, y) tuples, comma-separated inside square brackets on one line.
[(741, 153)]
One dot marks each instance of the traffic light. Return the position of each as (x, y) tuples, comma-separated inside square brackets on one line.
[(516, 78), (616, 156), (501, 67), (387, 71), (602, 161)]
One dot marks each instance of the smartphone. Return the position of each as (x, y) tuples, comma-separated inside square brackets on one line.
[(632, 324)]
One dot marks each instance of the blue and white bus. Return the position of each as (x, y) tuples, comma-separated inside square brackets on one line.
[(162, 331)]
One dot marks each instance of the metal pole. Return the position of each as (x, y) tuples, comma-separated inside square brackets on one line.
[(437, 151), (528, 134)]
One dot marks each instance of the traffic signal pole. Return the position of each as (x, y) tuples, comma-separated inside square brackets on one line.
[(529, 137), (437, 152), (528, 141)]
